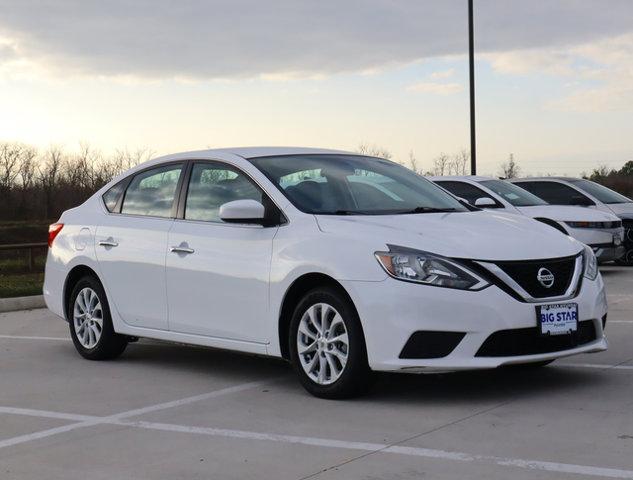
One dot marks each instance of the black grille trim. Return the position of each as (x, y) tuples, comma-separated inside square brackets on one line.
[(431, 344), (524, 273), (529, 341)]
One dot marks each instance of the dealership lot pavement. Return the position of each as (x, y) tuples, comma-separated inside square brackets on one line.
[(172, 412)]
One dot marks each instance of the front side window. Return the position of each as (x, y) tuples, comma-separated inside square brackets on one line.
[(468, 192), (152, 192), (353, 185), (554, 193), (602, 193), (513, 194), (213, 185)]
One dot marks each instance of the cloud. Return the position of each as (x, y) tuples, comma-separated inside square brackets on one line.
[(443, 74), (436, 88), (598, 74), (202, 39)]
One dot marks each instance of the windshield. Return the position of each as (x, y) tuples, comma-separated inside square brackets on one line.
[(353, 185), (512, 194), (604, 194)]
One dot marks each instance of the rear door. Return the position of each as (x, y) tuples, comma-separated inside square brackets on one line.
[(131, 245), (218, 275)]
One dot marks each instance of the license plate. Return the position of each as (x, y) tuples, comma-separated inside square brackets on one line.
[(559, 319)]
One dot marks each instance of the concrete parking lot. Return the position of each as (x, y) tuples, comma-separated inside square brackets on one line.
[(166, 411)]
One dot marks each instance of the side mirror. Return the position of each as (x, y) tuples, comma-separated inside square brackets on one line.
[(484, 202), (580, 201), (243, 211)]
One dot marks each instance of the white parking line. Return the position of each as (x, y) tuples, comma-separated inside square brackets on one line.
[(25, 337), (596, 365), (118, 419), (89, 421)]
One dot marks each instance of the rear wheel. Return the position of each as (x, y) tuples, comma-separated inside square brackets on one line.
[(90, 322), (327, 345)]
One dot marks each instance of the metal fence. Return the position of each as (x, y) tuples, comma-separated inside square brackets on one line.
[(29, 248)]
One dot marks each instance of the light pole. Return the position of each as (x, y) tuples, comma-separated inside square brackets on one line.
[(471, 61)]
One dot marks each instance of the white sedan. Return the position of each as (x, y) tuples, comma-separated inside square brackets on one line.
[(340, 263), (602, 231)]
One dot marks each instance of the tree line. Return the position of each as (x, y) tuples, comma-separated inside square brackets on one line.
[(40, 185)]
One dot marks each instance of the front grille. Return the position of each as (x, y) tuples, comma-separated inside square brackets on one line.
[(431, 344), (526, 273), (529, 341)]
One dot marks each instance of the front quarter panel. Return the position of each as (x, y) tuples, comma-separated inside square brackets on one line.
[(300, 248)]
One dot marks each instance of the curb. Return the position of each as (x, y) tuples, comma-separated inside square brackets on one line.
[(21, 303)]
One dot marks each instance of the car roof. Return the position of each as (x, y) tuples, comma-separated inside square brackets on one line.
[(252, 152), (474, 178), (528, 179)]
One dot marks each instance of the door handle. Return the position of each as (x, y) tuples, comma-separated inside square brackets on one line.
[(181, 250), (108, 243)]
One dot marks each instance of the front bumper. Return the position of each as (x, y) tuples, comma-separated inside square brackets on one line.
[(391, 311), (608, 253)]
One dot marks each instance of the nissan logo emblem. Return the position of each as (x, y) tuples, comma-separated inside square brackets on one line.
[(545, 277)]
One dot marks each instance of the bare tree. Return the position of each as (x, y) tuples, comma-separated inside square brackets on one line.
[(458, 162), (10, 154), (441, 164), (48, 175), (413, 162), (510, 169), (374, 151)]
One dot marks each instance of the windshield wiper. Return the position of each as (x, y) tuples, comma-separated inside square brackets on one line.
[(428, 210)]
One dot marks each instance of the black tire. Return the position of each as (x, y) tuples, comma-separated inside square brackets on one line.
[(355, 378), (110, 344), (627, 258)]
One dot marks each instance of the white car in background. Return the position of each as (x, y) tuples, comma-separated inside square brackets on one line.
[(585, 193), (602, 231), (338, 262)]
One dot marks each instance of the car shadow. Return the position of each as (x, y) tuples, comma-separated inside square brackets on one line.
[(392, 388)]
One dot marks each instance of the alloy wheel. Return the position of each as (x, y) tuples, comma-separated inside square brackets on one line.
[(88, 318), (322, 343)]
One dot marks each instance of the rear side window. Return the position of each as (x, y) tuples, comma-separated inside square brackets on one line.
[(213, 185), (468, 192), (554, 193), (152, 192), (111, 197)]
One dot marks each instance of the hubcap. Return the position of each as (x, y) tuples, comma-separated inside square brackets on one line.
[(88, 318), (322, 343)]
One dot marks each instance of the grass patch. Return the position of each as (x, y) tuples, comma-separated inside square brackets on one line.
[(21, 284)]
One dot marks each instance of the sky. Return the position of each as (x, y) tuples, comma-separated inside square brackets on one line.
[(554, 78)]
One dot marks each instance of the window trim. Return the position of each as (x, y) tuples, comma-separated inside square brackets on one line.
[(564, 184), (130, 178), (498, 203), (184, 189)]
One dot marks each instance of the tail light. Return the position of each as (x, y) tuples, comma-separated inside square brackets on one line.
[(53, 231)]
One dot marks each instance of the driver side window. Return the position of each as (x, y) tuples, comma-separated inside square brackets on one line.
[(213, 185)]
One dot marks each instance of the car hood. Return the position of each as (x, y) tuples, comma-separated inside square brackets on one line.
[(568, 214), (474, 235), (622, 210)]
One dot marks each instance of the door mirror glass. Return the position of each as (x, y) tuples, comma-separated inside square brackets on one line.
[(485, 202), (243, 211)]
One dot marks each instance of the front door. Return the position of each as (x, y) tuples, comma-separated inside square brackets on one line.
[(218, 273)]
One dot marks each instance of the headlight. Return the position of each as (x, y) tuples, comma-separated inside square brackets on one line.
[(428, 269), (590, 269)]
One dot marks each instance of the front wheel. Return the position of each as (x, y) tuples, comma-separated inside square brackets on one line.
[(327, 345), (90, 322), (627, 258)]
